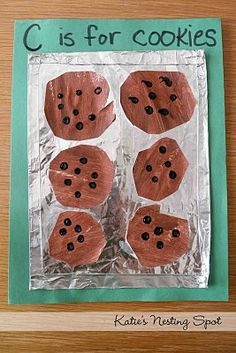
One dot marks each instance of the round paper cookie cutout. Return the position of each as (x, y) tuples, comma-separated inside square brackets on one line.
[(81, 176), (77, 239), (159, 170), (157, 239), (157, 101), (75, 105)]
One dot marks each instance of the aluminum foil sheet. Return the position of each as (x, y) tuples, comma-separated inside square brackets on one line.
[(118, 265)]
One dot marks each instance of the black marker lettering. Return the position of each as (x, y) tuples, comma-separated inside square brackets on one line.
[(165, 34), (68, 41), (180, 36), (213, 31), (25, 38), (89, 35), (197, 35), (61, 39), (102, 39), (190, 40), (112, 36), (136, 34), (154, 42)]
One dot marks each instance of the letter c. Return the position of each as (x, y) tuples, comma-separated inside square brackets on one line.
[(25, 38), (136, 34)]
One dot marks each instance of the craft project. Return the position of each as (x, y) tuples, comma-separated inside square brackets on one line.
[(157, 239), (159, 170), (75, 105), (81, 176), (77, 239), (157, 101)]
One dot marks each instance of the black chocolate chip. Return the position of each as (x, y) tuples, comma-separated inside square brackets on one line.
[(77, 170), (67, 222), (83, 160), (66, 120), (148, 168), (147, 83), (68, 182), (167, 81), (175, 233), (147, 219), (98, 90), (134, 100), (77, 194), (92, 185), (173, 97), (78, 228), (172, 174), (63, 165), (148, 110), (152, 95), (154, 179), (94, 175), (167, 164), (158, 230), (78, 92), (75, 112), (163, 111), (145, 236), (162, 149), (60, 95), (160, 244), (92, 117), (60, 106), (70, 246), (79, 125), (80, 238), (63, 231)]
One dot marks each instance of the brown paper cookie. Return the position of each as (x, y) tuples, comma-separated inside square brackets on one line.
[(81, 176), (157, 101), (159, 170), (75, 105), (157, 239), (77, 239)]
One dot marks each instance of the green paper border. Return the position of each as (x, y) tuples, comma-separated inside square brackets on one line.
[(19, 292)]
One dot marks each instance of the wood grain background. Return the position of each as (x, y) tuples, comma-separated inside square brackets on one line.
[(117, 342)]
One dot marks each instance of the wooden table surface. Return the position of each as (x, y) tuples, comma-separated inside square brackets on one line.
[(128, 341)]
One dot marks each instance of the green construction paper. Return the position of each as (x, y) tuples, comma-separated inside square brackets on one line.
[(44, 37)]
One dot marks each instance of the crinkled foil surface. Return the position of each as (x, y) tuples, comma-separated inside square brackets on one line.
[(118, 265)]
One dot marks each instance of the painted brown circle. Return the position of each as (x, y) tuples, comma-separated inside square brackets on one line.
[(90, 172), (72, 95), (165, 174), (74, 248), (162, 89), (160, 247)]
